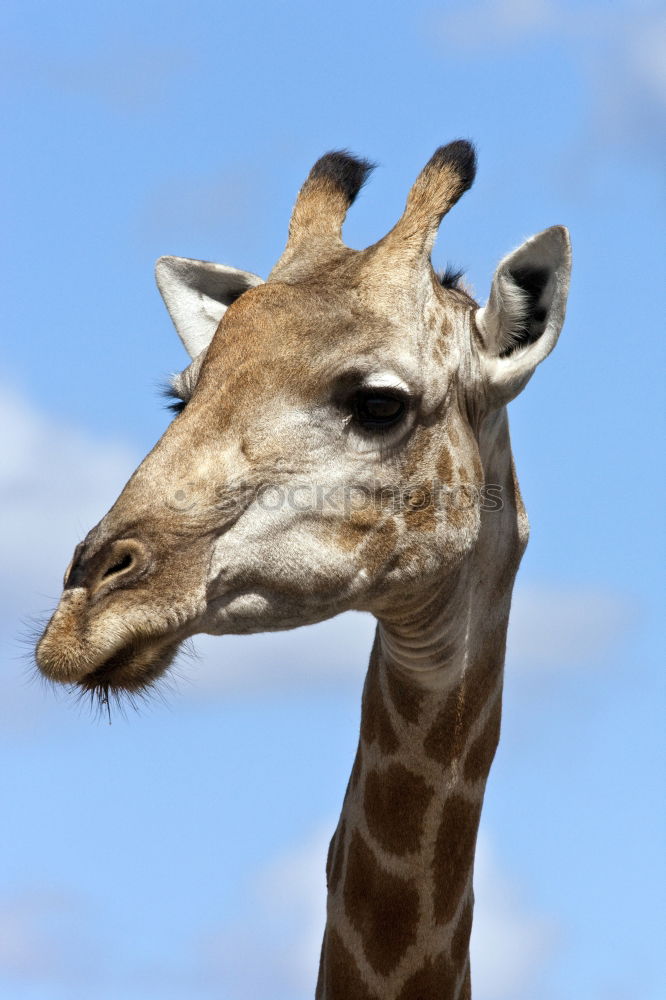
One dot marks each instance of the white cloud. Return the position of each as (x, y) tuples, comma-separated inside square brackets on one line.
[(287, 911), (43, 936)]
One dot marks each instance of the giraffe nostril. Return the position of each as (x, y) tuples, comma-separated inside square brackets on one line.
[(126, 562), (115, 563)]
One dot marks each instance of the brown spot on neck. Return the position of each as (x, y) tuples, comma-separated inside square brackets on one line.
[(375, 721), (406, 696), (395, 802), (454, 854), (480, 755), (339, 976), (437, 979), (448, 734), (381, 907)]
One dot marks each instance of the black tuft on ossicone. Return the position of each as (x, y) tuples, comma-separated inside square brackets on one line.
[(460, 154), (346, 171)]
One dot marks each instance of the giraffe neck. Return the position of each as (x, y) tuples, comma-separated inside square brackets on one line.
[(400, 864)]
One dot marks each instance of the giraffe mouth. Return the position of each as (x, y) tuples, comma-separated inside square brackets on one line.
[(111, 655), (132, 669)]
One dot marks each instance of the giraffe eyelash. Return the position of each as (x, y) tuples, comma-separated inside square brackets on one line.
[(175, 401), (180, 387)]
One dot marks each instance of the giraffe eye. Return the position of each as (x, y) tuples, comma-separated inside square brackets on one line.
[(376, 410)]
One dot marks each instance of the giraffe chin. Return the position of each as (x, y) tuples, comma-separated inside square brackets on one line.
[(132, 669)]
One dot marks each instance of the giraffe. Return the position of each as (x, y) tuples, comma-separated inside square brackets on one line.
[(341, 443)]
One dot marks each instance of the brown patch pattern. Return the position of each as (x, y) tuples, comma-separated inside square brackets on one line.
[(375, 722), (481, 752), (454, 854), (462, 504), (419, 512), (463, 705), (395, 802), (353, 530), (406, 697), (445, 466), (382, 907), (379, 546), (437, 979), (441, 743), (417, 452), (339, 975)]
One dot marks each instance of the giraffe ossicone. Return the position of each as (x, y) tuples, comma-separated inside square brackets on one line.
[(343, 445)]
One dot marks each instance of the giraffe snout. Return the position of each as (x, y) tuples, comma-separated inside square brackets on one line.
[(91, 641)]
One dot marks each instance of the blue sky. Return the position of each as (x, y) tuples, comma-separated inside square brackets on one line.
[(179, 854)]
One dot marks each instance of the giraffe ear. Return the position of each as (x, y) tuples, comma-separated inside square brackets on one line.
[(521, 322), (197, 294)]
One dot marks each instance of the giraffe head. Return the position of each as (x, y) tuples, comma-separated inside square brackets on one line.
[(326, 456)]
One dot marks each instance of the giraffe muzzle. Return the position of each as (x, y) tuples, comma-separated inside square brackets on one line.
[(99, 636)]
